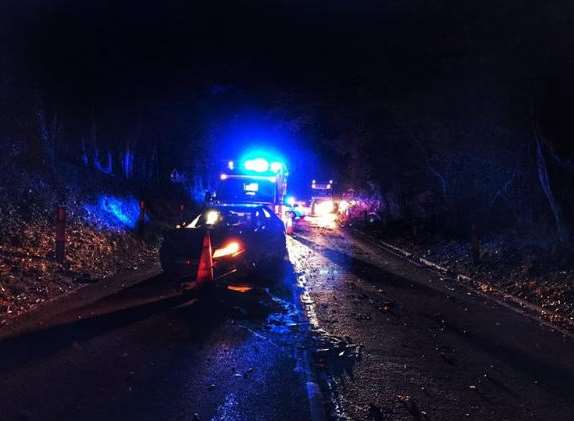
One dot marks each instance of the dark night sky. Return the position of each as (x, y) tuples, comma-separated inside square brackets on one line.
[(161, 49), (349, 53)]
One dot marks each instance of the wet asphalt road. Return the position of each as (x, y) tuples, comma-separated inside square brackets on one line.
[(210, 357), (431, 350), (385, 341)]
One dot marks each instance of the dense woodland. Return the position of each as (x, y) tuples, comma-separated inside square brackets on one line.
[(448, 122)]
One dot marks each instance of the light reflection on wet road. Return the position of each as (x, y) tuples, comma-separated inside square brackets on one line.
[(216, 356), (429, 349), (383, 339)]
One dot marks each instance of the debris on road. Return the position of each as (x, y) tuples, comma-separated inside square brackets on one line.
[(335, 353)]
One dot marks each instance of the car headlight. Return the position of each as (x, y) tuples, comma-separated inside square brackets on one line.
[(325, 208), (211, 217)]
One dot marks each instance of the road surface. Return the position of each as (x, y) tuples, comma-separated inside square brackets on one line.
[(348, 331)]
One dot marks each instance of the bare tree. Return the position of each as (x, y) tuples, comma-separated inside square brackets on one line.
[(546, 184)]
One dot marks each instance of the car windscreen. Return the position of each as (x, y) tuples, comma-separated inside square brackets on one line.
[(238, 217)]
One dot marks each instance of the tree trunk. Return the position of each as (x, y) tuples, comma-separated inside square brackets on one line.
[(442, 182), (544, 179)]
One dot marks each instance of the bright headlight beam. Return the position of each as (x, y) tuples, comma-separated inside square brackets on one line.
[(211, 217), (325, 208)]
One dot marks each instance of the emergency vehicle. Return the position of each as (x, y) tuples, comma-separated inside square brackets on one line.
[(240, 233), (322, 199), (256, 180)]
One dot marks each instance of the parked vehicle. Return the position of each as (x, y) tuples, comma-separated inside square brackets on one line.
[(226, 243)]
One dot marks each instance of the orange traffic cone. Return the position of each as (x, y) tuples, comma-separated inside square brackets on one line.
[(205, 268)]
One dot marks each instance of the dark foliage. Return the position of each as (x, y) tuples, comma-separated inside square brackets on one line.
[(454, 113)]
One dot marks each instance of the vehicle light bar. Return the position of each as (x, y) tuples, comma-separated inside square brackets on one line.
[(276, 166), (270, 178), (257, 165)]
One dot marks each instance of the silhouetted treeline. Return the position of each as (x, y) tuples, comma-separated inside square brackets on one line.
[(453, 113)]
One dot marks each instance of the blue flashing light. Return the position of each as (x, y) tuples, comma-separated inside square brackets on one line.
[(223, 176), (270, 178), (290, 200), (262, 160), (257, 165), (231, 165)]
